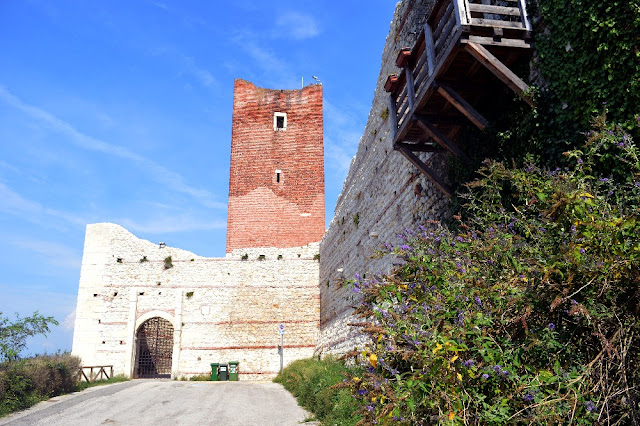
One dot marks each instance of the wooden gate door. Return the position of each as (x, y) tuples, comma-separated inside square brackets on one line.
[(154, 349)]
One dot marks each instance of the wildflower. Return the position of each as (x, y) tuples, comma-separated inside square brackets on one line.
[(362, 391), (528, 397), (485, 376), (369, 407), (468, 363), (582, 250), (551, 326), (460, 239), (590, 406)]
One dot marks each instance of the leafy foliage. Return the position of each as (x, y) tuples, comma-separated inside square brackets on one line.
[(13, 335), (320, 387), (528, 311), (26, 382)]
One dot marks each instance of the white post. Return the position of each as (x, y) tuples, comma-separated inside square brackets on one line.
[(523, 14)]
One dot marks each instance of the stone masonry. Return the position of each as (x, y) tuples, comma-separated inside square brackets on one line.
[(382, 195), (221, 309)]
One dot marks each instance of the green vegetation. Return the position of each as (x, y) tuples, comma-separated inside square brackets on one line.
[(13, 335), (321, 388), (200, 378), (26, 382), (526, 311), (168, 262), (115, 379)]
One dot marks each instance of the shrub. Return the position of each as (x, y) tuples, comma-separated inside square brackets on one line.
[(527, 311), (320, 388), (26, 382)]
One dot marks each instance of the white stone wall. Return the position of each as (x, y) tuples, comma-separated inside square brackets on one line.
[(382, 195), (221, 309)]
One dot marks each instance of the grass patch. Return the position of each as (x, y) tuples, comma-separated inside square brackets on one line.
[(115, 379), (318, 387), (200, 378)]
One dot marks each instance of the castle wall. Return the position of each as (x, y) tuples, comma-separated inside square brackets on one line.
[(276, 186), (221, 309), (382, 195)]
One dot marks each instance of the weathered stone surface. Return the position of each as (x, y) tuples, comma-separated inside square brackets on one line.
[(382, 195), (221, 309)]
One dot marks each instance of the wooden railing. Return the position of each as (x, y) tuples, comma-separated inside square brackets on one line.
[(100, 372), (450, 22)]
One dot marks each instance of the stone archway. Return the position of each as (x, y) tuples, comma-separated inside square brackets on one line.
[(154, 349)]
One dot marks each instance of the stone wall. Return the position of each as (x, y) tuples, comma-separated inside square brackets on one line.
[(382, 195), (276, 184), (221, 308)]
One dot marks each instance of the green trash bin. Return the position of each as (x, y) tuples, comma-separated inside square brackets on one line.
[(233, 371), (214, 371), (223, 373)]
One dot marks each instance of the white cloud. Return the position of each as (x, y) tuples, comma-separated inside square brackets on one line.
[(202, 75), (159, 173), (15, 204), (54, 253), (298, 26), (69, 321)]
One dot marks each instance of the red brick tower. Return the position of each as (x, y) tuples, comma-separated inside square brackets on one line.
[(276, 186)]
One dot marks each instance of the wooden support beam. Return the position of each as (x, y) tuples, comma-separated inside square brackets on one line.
[(429, 48), (500, 70), (463, 106), (439, 137), (411, 90), (425, 170), (393, 116), (420, 147)]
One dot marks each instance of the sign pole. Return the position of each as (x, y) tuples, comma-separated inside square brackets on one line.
[(281, 330)]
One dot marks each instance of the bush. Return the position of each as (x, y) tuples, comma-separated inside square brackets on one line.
[(26, 382), (320, 387), (527, 311)]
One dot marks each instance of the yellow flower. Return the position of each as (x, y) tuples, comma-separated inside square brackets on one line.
[(437, 348), (454, 358), (451, 415), (373, 359), (459, 376)]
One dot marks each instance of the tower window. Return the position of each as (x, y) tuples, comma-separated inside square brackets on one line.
[(279, 176), (280, 121)]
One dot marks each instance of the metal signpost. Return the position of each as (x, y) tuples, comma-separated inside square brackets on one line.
[(281, 331)]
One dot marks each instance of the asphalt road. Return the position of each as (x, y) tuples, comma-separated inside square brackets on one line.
[(166, 402)]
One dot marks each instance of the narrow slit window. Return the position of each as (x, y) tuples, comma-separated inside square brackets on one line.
[(279, 121), (279, 176)]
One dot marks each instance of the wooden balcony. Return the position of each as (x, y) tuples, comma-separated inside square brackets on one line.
[(465, 48)]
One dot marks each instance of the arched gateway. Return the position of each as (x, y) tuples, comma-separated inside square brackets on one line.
[(154, 349)]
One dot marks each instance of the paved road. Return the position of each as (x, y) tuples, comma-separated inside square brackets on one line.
[(166, 402)]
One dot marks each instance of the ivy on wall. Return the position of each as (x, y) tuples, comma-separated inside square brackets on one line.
[(589, 56)]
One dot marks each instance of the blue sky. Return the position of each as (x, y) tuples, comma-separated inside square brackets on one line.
[(120, 111)]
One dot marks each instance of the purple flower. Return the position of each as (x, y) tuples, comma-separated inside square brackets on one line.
[(362, 391), (405, 247), (369, 407), (460, 239), (590, 406), (485, 376), (582, 250), (528, 397), (468, 363), (478, 301), (551, 326)]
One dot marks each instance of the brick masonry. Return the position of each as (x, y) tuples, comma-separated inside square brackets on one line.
[(276, 184)]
